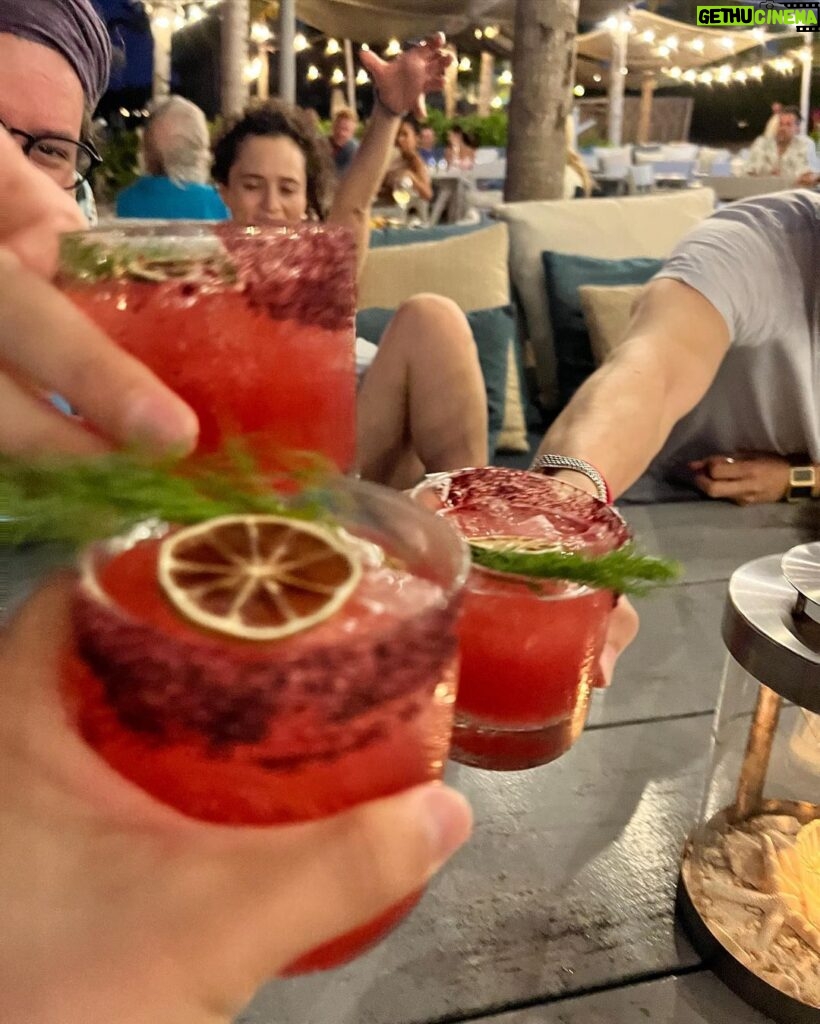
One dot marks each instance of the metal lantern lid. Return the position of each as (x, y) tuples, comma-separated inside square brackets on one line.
[(771, 623)]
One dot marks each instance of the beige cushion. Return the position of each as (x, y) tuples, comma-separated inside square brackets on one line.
[(607, 312), (646, 225), (513, 434), (471, 270)]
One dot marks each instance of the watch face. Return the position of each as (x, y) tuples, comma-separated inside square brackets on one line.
[(802, 475)]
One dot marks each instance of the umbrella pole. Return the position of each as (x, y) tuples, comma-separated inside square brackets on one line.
[(620, 35), (805, 80)]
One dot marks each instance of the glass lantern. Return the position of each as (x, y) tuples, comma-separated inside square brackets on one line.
[(749, 892)]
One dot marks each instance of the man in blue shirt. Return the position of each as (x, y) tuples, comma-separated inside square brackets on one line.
[(176, 150)]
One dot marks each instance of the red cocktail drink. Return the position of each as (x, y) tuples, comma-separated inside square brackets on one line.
[(252, 327), (529, 648), (351, 698)]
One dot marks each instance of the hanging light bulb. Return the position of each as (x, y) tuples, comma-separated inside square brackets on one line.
[(337, 77), (313, 73), (648, 36), (625, 25), (161, 21), (706, 78), (365, 47), (179, 20), (195, 13), (332, 48), (671, 42), (759, 34), (578, 90), (505, 78), (611, 23), (253, 69), (596, 78), (756, 72), (675, 72), (663, 51), (465, 64), (727, 43), (478, 33), (690, 75), (300, 43), (393, 48), (260, 33), (741, 76), (362, 77), (491, 31), (497, 103), (697, 45)]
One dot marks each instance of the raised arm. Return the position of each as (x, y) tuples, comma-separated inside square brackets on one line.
[(621, 417), (400, 86)]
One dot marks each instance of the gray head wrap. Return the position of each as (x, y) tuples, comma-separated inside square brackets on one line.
[(72, 28)]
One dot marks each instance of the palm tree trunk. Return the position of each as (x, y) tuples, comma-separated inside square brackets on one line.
[(541, 99)]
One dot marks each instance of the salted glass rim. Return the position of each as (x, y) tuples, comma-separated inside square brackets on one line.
[(572, 590)]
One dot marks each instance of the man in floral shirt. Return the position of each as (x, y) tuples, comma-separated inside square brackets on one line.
[(783, 155)]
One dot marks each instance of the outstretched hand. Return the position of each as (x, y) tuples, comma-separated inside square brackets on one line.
[(117, 908), (402, 83)]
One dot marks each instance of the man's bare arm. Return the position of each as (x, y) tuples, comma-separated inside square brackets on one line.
[(622, 415)]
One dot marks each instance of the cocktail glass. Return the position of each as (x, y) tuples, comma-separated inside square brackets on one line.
[(529, 648), (242, 731), (253, 327)]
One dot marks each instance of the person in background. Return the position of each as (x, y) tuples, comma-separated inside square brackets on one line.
[(408, 170), (773, 123), (460, 149), (176, 154), (343, 143), (784, 155), (427, 145), (421, 404)]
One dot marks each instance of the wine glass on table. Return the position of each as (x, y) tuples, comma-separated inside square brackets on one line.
[(402, 194)]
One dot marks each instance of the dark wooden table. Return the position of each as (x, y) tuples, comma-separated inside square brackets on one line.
[(560, 910)]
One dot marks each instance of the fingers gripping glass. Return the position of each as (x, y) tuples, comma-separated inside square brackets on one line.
[(68, 161)]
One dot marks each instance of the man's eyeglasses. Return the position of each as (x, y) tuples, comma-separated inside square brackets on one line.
[(67, 161)]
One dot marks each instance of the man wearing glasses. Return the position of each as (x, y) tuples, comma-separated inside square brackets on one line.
[(53, 70)]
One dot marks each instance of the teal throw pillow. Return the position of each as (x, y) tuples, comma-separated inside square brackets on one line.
[(564, 274), (493, 331)]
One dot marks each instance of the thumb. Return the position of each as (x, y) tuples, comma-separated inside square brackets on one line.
[(292, 889)]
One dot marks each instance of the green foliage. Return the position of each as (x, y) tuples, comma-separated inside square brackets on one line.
[(119, 169), (489, 131)]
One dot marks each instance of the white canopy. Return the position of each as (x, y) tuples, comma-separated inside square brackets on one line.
[(379, 20)]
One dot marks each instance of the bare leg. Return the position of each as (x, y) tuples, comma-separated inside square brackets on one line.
[(422, 407)]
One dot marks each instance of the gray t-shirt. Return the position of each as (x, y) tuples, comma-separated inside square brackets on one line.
[(758, 263)]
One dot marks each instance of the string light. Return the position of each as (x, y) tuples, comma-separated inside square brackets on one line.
[(337, 77), (195, 13), (727, 43), (596, 78), (478, 34), (393, 48), (465, 64), (506, 77), (365, 47), (663, 51), (648, 36), (253, 69), (697, 45), (497, 103), (332, 48), (491, 31), (671, 42), (260, 33), (578, 90), (362, 77), (313, 73), (300, 43)]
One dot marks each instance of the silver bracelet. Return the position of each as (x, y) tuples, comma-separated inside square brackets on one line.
[(547, 462)]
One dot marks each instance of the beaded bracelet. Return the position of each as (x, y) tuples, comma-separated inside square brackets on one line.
[(546, 463)]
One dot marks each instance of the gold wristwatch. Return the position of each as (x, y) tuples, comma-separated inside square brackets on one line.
[(802, 483)]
